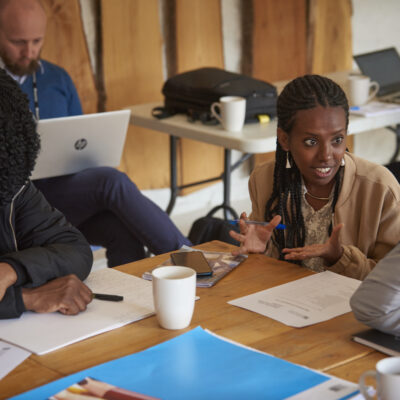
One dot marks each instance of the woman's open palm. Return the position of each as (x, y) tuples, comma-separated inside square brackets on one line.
[(330, 251), (253, 238)]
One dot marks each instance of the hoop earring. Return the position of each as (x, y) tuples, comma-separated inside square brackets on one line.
[(288, 166), (342, 163)]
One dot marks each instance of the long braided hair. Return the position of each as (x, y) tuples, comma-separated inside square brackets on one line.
[(19, 141), (302, 93)]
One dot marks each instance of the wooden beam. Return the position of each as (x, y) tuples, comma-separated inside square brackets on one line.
[(132, 67), (279, 44), (65, 45), (198, 44)]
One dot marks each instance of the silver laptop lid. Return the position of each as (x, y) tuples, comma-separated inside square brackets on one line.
[(382, 66), (71, 144)]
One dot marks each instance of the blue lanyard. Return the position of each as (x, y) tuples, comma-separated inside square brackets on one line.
[(35, 96)]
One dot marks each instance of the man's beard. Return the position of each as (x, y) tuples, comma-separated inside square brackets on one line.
[(18, 69)]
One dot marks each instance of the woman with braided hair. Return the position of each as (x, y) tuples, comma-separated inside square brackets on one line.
[(341, 212)]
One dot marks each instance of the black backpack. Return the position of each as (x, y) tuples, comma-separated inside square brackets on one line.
[(193, 92), (208, 228)]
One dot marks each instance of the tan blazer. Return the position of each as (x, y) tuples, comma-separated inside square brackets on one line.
[(368, 205)]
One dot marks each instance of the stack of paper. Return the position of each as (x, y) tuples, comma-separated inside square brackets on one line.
[(100, 316)]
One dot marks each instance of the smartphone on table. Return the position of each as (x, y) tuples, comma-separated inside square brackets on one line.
[(192, 259)]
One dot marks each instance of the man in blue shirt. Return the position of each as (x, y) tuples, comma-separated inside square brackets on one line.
[(102, 202)]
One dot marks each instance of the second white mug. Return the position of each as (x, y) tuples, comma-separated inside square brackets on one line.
[(232, 112), (387, 377), (360, 89)]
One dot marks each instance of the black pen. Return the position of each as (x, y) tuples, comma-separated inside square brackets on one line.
[(107, 297)]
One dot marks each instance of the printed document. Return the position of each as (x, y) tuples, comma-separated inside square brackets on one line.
[(48, 332), (303, 302)]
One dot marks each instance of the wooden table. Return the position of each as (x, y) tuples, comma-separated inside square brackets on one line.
[(326, 346), (352, 370)]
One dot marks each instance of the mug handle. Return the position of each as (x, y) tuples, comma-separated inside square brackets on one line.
[(363, 387), (374, 86), (214, 112)]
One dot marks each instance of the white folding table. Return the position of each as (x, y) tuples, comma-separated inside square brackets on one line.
[(254, 138)]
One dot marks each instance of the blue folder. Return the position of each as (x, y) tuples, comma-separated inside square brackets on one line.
[(197, 365)]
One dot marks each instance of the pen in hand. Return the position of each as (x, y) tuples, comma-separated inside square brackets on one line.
[(262, 223), (107, 297)]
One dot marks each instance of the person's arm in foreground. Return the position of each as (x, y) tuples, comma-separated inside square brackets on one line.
[(49, 249), (376, 302)]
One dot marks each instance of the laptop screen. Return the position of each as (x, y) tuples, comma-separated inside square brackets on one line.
[(382, 66)]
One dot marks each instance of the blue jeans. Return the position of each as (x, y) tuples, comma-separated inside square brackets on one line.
[(110, 211)]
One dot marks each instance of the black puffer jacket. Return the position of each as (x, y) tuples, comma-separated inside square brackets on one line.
[(40, 245)]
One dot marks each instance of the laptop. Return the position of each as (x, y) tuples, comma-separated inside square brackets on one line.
[(382, 66), (72, 144)]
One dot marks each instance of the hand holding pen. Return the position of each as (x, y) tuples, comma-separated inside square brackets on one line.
[(253, 237)]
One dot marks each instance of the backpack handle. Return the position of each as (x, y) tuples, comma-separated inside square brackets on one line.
[(224, 207), (161, 113)]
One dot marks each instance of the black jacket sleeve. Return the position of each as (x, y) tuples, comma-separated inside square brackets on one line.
[(48, 247)]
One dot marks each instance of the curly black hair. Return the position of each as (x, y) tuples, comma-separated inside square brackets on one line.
[(303, 93), (19, 141)]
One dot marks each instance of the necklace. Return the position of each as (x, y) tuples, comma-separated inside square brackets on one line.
[(305, 191), (317, 198)]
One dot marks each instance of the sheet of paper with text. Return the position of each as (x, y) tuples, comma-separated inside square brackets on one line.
[(305, 301)]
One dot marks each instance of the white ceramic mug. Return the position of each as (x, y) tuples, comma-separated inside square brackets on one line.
[(387, 376), (174, 292), (360, 89), (232, 112)]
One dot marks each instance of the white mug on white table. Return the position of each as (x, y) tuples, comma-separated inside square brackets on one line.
[(360, 89), (174, 292), (232, 112), (387, 376)]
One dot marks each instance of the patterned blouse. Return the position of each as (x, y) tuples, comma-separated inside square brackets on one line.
[(316, 226)]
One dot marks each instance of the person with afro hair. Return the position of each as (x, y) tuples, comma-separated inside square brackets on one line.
[(43, 258)]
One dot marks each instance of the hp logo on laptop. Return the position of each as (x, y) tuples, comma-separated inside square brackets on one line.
[(80, 144)]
